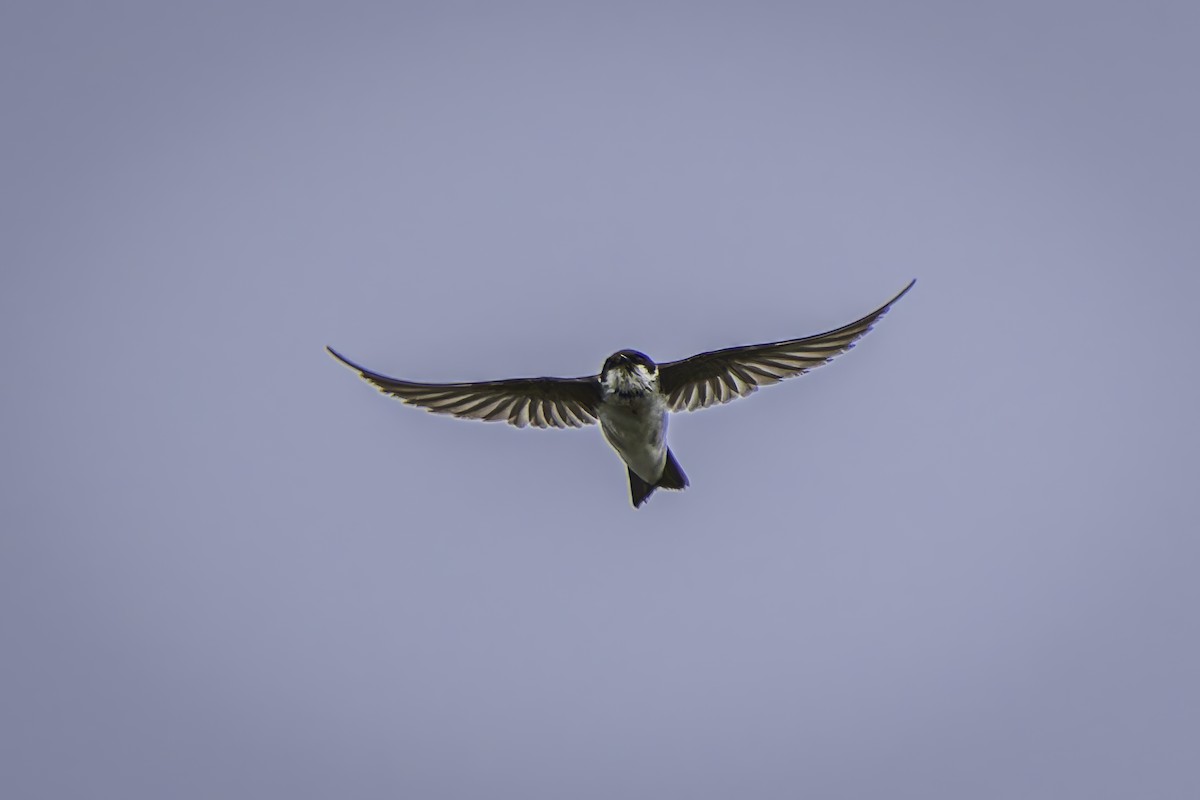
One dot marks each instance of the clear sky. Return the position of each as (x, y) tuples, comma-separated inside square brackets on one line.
[(959, 562)]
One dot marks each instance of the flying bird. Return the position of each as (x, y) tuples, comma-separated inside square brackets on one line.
[(632, 396)]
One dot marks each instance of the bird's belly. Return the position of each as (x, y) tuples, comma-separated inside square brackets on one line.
[(637, 431)]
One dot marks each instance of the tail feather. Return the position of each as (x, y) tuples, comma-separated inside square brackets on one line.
[(672, 478), (639, 490)]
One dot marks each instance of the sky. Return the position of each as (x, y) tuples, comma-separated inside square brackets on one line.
[(957, 562)]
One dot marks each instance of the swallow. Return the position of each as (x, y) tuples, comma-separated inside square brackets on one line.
[(632, 397)]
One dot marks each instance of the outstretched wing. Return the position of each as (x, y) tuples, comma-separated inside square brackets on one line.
[(722, 375), (542, 402)]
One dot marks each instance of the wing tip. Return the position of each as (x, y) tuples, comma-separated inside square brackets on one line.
[(883, 309), (343, 360), (877, 314)]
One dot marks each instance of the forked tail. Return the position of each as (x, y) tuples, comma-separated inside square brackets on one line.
[(671, 478)]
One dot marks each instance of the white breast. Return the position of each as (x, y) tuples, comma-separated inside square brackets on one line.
[(636, 428)]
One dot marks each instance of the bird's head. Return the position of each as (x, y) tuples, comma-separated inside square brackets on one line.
[(629, 372)]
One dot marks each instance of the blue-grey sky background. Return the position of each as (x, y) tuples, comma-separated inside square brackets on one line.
[(959, 562)]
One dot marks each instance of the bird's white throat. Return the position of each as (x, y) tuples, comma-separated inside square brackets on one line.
[(635, 380)]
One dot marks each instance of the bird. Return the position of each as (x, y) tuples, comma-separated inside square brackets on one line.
[(632, 397)]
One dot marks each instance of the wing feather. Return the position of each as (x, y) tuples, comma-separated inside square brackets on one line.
[(541, 402), (719, 376)]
